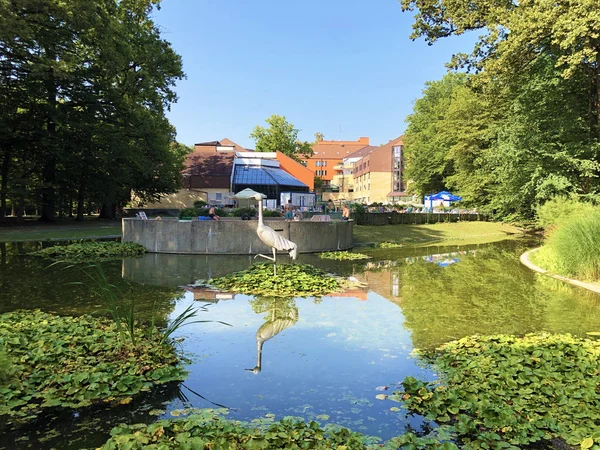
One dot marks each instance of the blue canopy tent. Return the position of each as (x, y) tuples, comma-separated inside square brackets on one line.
[(444, 197)]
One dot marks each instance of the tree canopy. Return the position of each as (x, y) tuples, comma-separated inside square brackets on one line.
[(85, 86), (521, 126), (281, 136)]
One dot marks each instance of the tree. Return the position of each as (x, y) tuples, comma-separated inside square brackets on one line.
[(281, 136), (319, 137), (426, 147), (517, 32), (85, 86)]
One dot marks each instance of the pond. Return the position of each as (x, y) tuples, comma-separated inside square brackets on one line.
[(324, 359)]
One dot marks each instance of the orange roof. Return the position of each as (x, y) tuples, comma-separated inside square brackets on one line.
[(297, 170), (337, 149)]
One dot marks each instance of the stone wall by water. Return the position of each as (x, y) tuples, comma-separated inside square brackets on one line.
[(233, 236)]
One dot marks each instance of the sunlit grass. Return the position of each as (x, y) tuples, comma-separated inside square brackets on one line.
[(65, 231), (573, 249), (440, 233)]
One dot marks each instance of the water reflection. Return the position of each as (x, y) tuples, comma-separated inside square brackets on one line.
[(487, 292), (281, 314), (322, 357)]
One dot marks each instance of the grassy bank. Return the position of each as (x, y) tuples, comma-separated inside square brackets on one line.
[(572, 245), (439, 233), (64, 230)]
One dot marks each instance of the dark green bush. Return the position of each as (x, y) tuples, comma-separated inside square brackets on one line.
[(199, 204), (239, 212), (188, 212), (271, 213)]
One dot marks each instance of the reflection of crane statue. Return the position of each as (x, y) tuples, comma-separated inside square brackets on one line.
[(271, 328), (273, 239)]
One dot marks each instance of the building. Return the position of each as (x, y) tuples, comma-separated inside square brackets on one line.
[(209, 170), (379, 174), (344, 179), (262, 172), (327, 161)]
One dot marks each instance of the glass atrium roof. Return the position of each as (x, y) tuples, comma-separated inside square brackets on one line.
[(264, 176)]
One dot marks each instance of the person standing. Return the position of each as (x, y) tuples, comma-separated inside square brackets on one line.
[(289, 210)]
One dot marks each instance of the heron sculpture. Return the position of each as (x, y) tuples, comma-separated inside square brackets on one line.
[(273, 239)]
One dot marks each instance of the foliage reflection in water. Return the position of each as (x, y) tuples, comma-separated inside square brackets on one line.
[(321, 359)]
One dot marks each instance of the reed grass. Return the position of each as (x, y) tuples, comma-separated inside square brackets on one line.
[(573, 248)]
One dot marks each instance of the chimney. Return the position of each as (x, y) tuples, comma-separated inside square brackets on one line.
[(363, 140)]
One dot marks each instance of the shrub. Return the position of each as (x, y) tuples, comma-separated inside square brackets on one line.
[(271, 213), (573, 248), (358, 208), (239, 212), (199, 204), (188, 212), (559, 209)]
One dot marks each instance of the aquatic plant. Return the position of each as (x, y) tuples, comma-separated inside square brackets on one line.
[(343, 256), (389, 245), (91, 251), (7, 367), (74, 362), (292, 280), (501, 391), (205, 430), (124, 316)]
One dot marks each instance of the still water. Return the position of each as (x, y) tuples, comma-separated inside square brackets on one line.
[(317, 358)]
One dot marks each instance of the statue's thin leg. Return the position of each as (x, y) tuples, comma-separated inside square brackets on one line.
[(274, 262)]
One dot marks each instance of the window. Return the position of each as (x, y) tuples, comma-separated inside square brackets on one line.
[(219, 196), (397, 149), (325, 163)]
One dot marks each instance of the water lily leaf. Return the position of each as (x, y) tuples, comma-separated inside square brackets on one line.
[(381, 396), (586, 443)]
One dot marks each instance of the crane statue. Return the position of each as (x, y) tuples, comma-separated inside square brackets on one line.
[(273, 239)]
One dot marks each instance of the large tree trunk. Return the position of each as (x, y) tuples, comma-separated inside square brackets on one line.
[(108, 211), (4, 185), (49, 171), (80, 202)]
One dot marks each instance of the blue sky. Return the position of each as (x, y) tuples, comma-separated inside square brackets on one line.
[(344, 68)]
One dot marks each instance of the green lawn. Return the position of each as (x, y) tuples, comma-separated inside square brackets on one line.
[(440, 233), (36, 231)]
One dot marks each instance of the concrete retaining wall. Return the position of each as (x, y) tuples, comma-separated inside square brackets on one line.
[(234, 236)]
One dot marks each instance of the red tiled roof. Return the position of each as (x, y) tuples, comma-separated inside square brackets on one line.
[(208, 168), (362, 151), (337, 149)]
